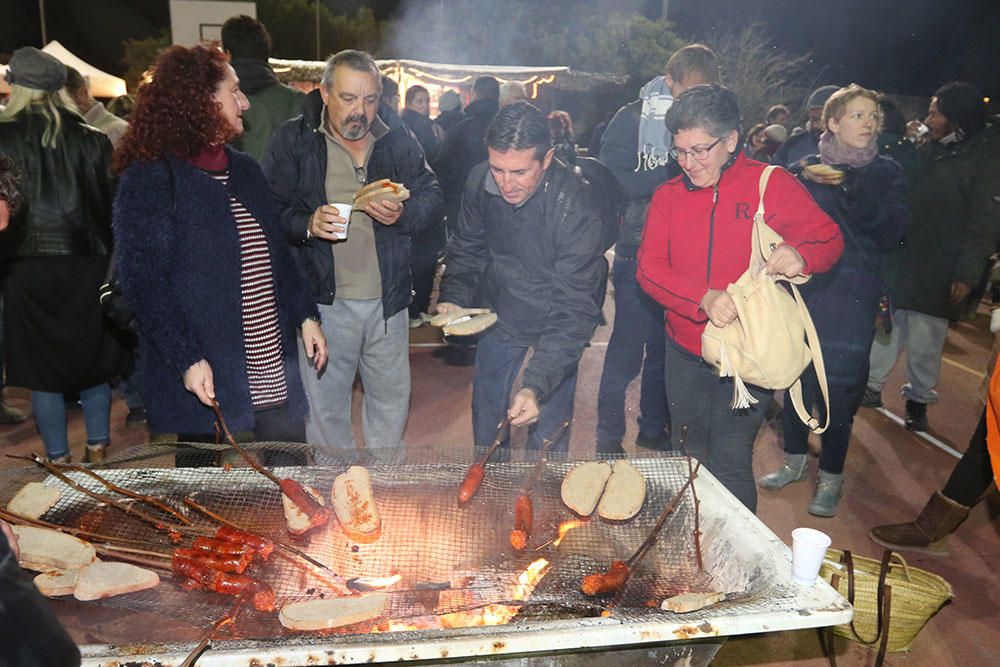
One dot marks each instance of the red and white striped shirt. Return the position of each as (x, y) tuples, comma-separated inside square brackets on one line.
[(261, 334)]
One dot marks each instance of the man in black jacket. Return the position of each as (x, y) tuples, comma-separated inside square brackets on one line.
[(358, 266), (529, 241)]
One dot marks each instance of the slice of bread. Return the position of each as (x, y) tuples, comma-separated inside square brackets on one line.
[(105, 579), (332, 612), (583, 485), (56, 583), (298, 521), (354, 504), (471, 326), (44, 549), (33, 500), (624, 493), (442, 319)]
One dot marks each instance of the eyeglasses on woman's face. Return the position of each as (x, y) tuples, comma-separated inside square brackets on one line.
[(697, 152)]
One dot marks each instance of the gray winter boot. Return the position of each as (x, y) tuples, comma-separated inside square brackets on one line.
[(792, 470), (827, 496)]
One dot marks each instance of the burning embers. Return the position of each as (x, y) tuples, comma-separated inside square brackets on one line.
[(469, 614)]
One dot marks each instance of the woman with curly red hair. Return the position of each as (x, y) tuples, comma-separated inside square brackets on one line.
[(204, 266)]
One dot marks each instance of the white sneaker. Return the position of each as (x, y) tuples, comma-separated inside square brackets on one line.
[(416, 322)]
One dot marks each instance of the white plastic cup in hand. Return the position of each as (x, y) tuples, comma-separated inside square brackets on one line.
[(808, 549), (344, 211)]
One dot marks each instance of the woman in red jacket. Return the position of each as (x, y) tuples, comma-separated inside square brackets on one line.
[(696, 242)]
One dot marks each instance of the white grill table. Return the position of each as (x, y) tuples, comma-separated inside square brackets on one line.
[(452, 560)]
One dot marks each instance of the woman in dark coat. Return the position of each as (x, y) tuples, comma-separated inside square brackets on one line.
[(865, 196), (204, 265), (56, 256)]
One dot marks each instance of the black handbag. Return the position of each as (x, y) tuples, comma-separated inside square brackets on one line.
[(113, 301)]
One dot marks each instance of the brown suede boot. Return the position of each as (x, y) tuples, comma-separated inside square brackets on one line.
[(95, 453), (929, 533)]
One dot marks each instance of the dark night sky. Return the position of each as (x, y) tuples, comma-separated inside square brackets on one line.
[(903, 46)]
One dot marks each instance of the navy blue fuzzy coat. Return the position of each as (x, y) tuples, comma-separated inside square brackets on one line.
[(870, 210), (178, 254)]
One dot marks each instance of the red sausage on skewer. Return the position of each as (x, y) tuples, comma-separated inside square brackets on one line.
[(262, 545), (609, 582), (523, 520), (469, 485)]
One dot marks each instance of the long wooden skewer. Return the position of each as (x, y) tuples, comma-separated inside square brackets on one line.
[(543, 457), (206, 640), (667, 511), (76, 532), (284, 545), (242, 452), (697, 503), (157, 523), (133, 558), (149, 500)]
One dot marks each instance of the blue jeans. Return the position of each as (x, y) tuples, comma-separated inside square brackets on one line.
[(638, 332), (497, 364), (50, 417)]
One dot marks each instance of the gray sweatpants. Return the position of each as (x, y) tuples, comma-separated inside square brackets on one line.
[(360, 340), (718, 436), (923, 337)]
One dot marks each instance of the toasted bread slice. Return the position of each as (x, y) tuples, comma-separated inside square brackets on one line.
[(354, 504), (471, 326), (298, 521), (33, 500), (623, 494), (443, 319), (105, 579), (44, 549), (56, 583), (332, 612), (688, 602), (583, 485)]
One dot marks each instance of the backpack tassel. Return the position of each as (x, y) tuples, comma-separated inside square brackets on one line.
[(742, 398)]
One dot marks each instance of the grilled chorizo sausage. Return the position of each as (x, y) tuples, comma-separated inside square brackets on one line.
[(523, 519), (469, 485), (609, 582)]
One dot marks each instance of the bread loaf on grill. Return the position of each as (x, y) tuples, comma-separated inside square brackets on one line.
[(354, 504), (33, 500), (56, 583), (332, 612), (298, 521), (104, 579), (623, 494), (583, 485), (44, 549)]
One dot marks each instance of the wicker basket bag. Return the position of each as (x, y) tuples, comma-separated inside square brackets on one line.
[(892, 601)]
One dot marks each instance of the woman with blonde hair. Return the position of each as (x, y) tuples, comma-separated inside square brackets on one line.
[(56, 253), (864, 193)]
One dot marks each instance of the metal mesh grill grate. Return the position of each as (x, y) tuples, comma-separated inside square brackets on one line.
[(450, 558)]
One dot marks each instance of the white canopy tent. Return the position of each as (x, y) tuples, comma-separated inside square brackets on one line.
[(102, 84)]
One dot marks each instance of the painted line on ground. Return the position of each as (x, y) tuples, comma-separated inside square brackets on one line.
[(595, 344), (944, 447), (963, 367)]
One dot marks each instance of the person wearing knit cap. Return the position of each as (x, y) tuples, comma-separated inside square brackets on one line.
[(804, 142), (56, 256)]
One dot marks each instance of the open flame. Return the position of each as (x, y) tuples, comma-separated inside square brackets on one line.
[(527, 580), (372, 583), (490, 614), (567, 526)]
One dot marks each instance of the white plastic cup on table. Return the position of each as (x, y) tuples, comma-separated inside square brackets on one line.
[(344, 211), (808, 549)]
